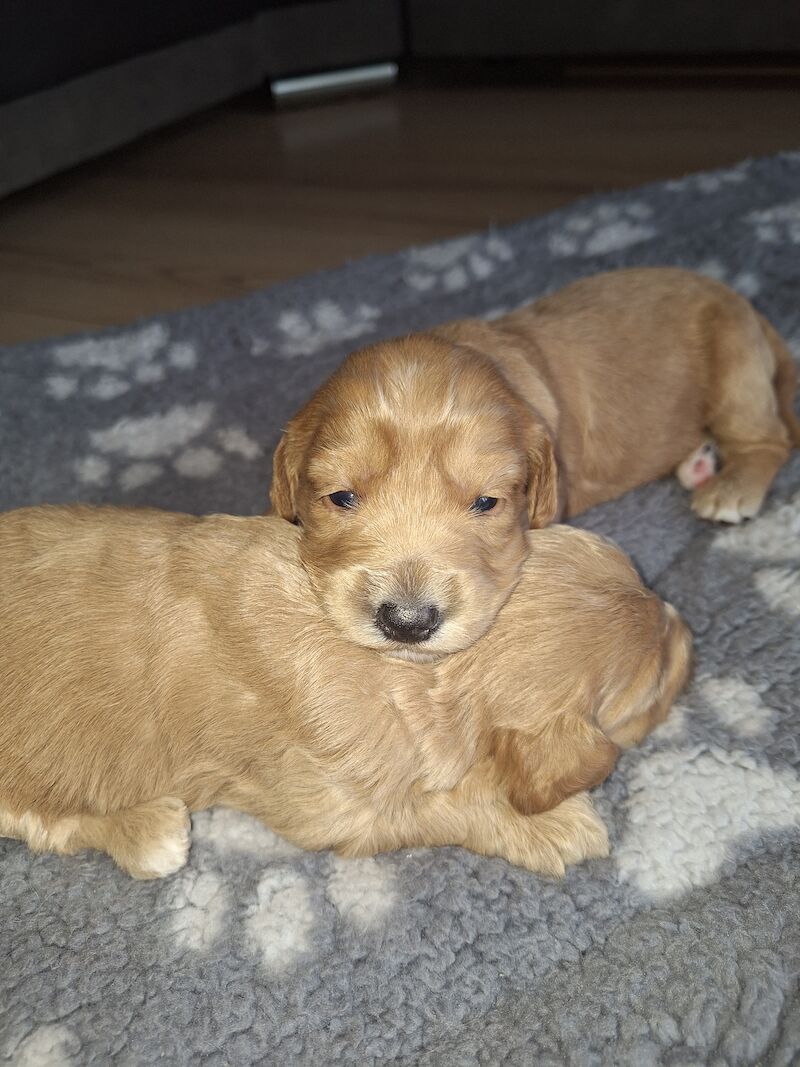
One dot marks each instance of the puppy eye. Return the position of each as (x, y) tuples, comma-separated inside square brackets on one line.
[(483, 503), (343, 499)]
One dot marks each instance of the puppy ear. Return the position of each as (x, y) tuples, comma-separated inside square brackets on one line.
[(287, 466), (543, 503)]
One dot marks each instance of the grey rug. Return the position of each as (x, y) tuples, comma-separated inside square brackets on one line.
[(682, 948)]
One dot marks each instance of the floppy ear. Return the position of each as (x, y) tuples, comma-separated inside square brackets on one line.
[(285, 477), (290, 460), (543, 504)]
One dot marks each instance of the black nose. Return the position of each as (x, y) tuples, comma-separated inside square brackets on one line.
[(411, 623)]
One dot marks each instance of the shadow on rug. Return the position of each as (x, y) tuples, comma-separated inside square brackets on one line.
[(682, 948)]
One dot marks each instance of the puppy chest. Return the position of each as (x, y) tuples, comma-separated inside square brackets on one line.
[(437, 750)]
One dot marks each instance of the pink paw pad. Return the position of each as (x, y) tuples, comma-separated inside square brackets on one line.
[(699, 467)]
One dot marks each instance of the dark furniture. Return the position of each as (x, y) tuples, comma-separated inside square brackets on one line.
[(78, 77), (582, 28)]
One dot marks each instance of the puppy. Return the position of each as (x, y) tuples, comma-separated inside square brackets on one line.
[(416, 468), (153, 664)]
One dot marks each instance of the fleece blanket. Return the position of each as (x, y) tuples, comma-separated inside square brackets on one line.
[(681, 948)]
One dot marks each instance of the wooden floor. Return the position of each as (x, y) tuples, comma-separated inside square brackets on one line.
[(242, 196)]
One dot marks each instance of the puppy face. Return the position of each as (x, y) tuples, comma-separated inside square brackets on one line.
[(414, 472)]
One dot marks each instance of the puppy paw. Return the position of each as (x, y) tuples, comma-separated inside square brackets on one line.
[(567, 834), (585, 835), (700, 467), (727, 498), (161, 832)]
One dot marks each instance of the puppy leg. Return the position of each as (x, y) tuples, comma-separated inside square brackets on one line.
[(150, 840), (547, 843), (744, 418), (476, 815), (538, 771)]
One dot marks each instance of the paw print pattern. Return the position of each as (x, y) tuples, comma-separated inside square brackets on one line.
[(778, 225), (286, 907), (744, 282), (280, 918), (199, 905), (50, 1045), (106, 367), (495, 313), (454, 265), (708, 183), (688, 806), (780, 587), (737, 705), (138, 450), (606, 228), (326, 323), (771, 538)]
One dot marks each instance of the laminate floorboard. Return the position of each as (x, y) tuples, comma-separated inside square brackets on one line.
[(243, 196)]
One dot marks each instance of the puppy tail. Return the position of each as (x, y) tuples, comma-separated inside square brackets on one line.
[(785, 380)]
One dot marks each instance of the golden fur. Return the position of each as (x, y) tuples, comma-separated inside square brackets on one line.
[(572, 400), (153, 664)]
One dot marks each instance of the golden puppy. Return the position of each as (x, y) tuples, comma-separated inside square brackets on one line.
[(416, 468), (153, 664)]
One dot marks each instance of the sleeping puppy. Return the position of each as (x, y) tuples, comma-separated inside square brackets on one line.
[(417, 467), (153, 664)]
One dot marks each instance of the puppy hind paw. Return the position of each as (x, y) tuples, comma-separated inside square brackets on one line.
[(726, 499), (699, 467)]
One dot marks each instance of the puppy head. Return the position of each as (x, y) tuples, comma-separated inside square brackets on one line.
[(414, 472)]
